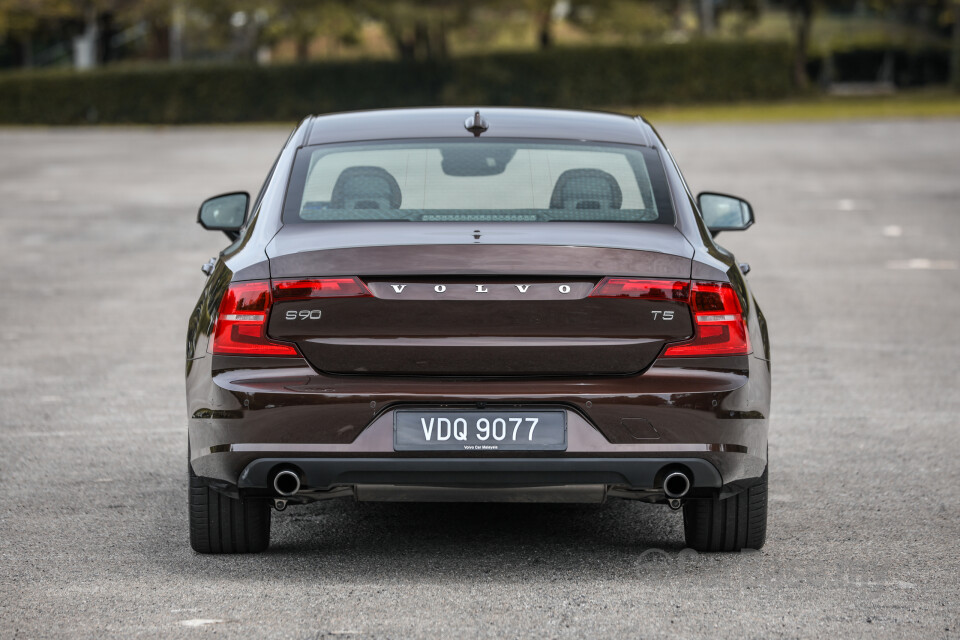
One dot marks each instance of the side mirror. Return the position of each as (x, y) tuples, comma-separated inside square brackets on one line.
[(724, 213), (225, 213)]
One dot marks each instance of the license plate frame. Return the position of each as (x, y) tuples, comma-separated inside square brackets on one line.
[(421, 429)]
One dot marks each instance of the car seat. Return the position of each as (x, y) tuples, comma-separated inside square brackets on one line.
[(586, 189), (365, 188)]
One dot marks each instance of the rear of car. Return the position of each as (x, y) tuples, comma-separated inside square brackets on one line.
[(434, 312)]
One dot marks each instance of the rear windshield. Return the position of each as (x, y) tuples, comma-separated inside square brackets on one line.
[(478, 181)]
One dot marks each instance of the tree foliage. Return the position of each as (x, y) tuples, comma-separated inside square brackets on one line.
[(415, 29)]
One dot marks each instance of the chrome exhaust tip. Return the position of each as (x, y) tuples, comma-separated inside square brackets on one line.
[(676, 484), (286, 483)]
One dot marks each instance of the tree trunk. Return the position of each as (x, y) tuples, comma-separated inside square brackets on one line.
[(421, 40), (707, 17), (158, 42), (677, 10), (303, 48), (178, 19), (26, 51), (85, 46), (804, 23), (955, 53), (106, 30), (442, 46), (405, 46), (545, 34)]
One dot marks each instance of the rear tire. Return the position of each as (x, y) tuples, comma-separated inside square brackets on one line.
[(221, 524), (738, 522)]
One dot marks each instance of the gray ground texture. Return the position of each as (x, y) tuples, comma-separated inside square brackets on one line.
[(854, 261)]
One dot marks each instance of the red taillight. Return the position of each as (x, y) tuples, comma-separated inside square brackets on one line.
[(304, 289), (241, 327), (719, 328), (646, 289)]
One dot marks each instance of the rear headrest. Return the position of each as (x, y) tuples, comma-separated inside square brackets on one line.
[(365, 188), (586, 189)]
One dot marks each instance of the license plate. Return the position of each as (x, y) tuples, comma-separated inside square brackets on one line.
[(479, 430)]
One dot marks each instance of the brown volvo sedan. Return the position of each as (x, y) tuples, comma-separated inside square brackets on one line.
[(459, 305)]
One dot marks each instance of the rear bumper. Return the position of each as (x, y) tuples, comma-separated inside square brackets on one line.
[(327, 473), (709, 417)]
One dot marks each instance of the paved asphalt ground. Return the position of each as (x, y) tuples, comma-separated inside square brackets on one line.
[(855, 261)]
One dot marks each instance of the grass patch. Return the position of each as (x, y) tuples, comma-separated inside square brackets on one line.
[(916, 104)]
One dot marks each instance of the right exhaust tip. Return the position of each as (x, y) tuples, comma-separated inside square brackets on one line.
[(286, 483), (676, 484)]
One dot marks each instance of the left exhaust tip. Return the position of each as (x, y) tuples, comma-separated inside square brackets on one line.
[(676, 485), (286, 483)]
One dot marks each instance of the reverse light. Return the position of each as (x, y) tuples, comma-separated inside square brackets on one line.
[(719, 327), (241, 327)]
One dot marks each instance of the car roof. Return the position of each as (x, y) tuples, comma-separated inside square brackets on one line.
[(504, 122)]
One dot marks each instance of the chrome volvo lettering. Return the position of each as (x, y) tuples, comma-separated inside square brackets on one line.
[(664, 315), (502, 290)]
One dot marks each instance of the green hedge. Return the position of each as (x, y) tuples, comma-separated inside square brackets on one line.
[(562, 77)]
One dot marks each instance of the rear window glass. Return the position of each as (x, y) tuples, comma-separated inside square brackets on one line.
[(477, 181)]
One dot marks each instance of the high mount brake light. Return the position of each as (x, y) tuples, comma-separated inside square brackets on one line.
[(241, 327), (719, 327), (307, 288)]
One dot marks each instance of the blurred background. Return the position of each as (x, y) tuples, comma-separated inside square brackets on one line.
[(180, 61)]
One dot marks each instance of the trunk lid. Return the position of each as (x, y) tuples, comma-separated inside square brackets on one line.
[(501, 300)]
